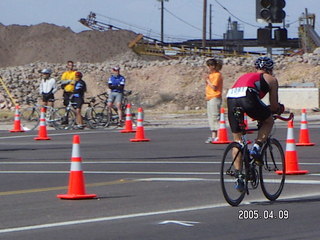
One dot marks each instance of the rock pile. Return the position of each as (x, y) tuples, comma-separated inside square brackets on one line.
[(156, 82)]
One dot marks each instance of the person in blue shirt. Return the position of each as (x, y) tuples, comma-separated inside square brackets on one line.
[(116, 84), (80, 88)]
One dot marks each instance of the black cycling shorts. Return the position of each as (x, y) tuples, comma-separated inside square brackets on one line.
[(252, 106), (48, 97), (77, 102)]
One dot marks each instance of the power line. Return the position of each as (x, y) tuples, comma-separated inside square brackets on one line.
[(234, 15), (180, 19)]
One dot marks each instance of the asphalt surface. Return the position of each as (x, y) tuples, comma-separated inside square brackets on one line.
[(167, 188)]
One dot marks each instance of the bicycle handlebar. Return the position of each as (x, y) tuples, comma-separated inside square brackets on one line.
[(289, 118)]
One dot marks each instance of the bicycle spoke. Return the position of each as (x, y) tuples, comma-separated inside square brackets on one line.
[(63, 118), (30, 118), (228, 175), (271, 182)]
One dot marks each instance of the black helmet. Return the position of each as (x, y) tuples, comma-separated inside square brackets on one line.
[(264, 63)]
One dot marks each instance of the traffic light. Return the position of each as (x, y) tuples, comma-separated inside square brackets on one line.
[(270, 11)]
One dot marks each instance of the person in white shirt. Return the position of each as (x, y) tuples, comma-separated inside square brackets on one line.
[(48, 87)]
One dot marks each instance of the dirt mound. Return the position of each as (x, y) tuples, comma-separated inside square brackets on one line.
[(44, 42)]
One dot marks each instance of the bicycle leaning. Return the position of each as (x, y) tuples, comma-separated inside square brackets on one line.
[(30, 116), (104, 116), (238, 164)]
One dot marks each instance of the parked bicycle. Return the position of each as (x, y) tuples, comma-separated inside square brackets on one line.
[(59, 118), (65, 117), (105, 116), (267, 175), (30, 116)]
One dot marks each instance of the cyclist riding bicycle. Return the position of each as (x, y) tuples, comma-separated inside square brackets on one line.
[(247, 93), (116, 84)]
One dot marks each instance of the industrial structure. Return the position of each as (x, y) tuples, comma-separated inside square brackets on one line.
[(233, 42)]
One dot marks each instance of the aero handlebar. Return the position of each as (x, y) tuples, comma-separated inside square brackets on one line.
[(289, 118)]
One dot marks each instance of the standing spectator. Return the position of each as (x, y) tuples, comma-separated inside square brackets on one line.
[(80, 88), (116, 83), (67, 82), (47, 87), (214, 84)]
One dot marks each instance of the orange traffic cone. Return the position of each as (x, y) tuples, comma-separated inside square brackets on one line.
[(222, 132), (128, 124), (304, 139), (76, 188), (17, 122), (140, 129), (291, 156), (42, 133)]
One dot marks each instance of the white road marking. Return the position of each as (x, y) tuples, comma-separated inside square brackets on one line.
[(183, 223), (111, 218), (137, 215)]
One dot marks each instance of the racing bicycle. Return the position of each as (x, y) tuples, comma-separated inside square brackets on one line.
[(268, 174)]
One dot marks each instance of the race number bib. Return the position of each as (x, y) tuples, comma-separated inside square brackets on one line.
[(237, 92)]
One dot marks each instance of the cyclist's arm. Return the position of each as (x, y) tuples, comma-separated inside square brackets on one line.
[(54, 86), (273, 93)]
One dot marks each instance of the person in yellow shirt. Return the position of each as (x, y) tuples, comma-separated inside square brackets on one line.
[(214, 84), (67, 82)]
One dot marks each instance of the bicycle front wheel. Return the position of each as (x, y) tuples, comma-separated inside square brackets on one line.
[(272, 175), (63, 118), (30, 118), (228, 174)]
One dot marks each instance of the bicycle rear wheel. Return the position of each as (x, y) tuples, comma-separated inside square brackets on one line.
[(63, 118), (228, 174), (273, 158), (30, 118), (98, 117)]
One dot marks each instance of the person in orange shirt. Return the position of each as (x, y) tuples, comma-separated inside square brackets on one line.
[(214, 84)]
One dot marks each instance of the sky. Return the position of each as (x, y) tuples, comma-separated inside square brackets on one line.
[(182, 18)]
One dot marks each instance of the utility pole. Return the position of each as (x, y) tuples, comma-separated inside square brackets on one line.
[(162, 7), (204, 23), (162, 17), (210, 22)]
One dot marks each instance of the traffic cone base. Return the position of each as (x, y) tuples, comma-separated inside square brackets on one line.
[(305, 144), (42, 138), (220, 142), (76, 189), (76, 196), (139, 140)]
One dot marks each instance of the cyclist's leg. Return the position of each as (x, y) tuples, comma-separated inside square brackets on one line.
[(265, 129), (259, 111), (78, 106), (117, 102)]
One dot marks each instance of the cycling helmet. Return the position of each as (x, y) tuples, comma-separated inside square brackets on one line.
[(46, 71), (117, 68), (264, 63), (78, 74)]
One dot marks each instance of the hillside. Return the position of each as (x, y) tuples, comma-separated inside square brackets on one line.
[(158, 84), (21, 45)]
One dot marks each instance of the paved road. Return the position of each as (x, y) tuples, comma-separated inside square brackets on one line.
[(167, 188)]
